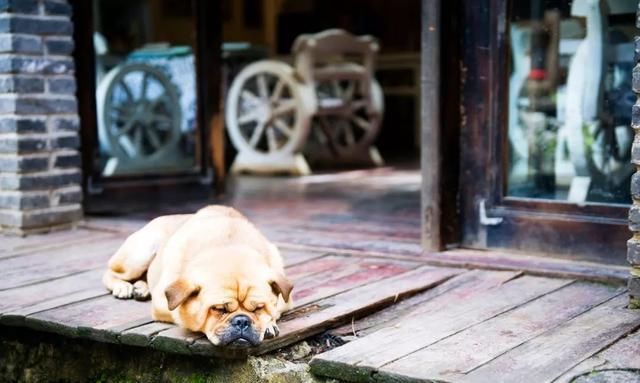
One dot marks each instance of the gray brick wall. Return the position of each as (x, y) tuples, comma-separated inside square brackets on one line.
[(633, 245), (40, 174)]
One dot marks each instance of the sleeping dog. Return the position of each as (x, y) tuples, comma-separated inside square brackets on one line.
[(210, 272)]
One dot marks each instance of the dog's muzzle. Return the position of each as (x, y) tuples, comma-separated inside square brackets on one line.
[(240, 333)]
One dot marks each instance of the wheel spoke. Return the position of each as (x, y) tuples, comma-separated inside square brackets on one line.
[(161, 119), (285, 106), (361, 123), (320, 135), (348, 93), (282, 127), (326, 129), (127, 146), (153, 137), (123, 109), (137, 140), (358, 104), (248, 97), (277, 90), (250, 116), (143, 92), (162, 99), (348, 134), (337, 89), (126, 89), (126, 128), (271, 140), (257, 133), (262, 86)]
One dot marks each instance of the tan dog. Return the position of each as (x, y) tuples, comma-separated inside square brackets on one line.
[(211, 272)]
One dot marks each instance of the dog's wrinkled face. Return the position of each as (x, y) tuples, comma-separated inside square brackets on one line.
[(232, 308)]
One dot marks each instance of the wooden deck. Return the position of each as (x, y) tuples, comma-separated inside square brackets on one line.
[(351, 245), (57, 288)]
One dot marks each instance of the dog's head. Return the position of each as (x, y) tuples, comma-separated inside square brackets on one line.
[(233, 302)]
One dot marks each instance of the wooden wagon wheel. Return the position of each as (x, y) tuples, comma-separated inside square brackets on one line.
[(608, 151), (139, 112), (268, 110), (357, 123)]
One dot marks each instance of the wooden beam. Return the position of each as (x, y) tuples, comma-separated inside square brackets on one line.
[(210, 93), (431, 155)]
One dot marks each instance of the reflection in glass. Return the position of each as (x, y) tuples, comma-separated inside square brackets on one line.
[(570, 100), (145, 87)]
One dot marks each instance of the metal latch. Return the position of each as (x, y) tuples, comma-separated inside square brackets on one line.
[(487, 221)]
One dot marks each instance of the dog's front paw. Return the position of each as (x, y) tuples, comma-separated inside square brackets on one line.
[(272, 331), (140, 291), (122, 290)]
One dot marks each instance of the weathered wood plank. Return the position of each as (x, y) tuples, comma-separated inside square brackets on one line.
[(122, 225), (13, 247), (14, 243), (354, 303), (344, 241), (354, 274), (447, 314), (459, 354), (18, 317), (474, 280), (178, 340), (531, 264), (624, 354), (93, 318), (293, 256), (55, 263), (142, 335), (333, 224), (549, 355), (316, 266), (28, 296)]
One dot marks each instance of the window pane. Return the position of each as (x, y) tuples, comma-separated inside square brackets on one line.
[(570, 100), (145, 87)]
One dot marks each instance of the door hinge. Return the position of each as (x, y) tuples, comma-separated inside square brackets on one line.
[(487, 221)]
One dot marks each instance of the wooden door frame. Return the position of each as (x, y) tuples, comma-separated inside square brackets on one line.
[(440, 124), (208, 31), (480, 28)]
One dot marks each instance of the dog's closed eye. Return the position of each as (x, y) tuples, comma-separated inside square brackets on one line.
[(221, 309)]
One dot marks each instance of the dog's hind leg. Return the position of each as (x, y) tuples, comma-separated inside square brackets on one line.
[(132, 259)]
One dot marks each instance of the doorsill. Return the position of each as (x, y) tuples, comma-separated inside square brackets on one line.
[(529, 264)]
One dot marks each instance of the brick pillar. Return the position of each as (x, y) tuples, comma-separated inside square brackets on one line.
[(39, 126), (633, 245)]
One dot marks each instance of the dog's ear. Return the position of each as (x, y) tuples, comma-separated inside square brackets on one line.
[(281, 285), (178, 292)]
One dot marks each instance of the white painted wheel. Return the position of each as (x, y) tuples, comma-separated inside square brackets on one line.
[(354, 126), (139, 114), (268, 111)]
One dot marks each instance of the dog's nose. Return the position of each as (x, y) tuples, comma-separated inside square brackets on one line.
[(241, 322)]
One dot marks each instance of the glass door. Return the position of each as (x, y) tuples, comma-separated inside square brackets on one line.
[(148, 89), (552, 138)]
